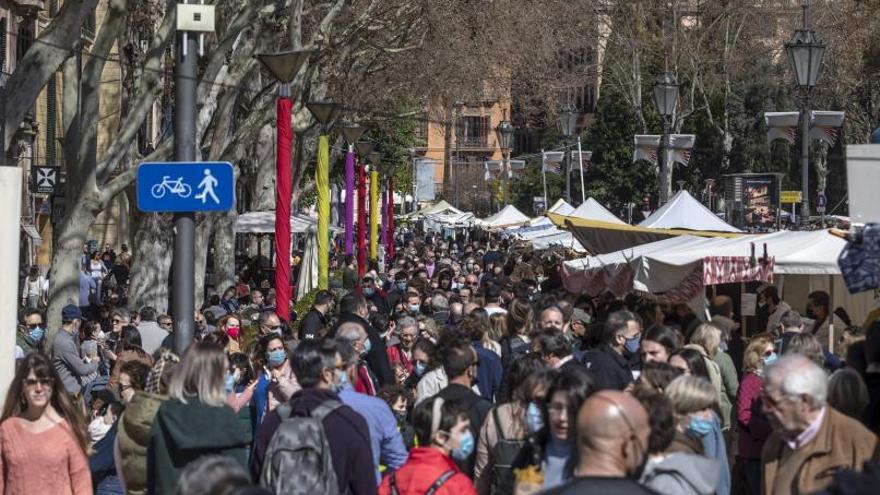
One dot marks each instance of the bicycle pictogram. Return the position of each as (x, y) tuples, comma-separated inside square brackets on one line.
[(177, 187)]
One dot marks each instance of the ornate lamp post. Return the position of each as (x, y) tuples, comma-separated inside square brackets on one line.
[(323, 112), (568, 125), (805, 52), (666, 99), (504, 134), (284, 67)]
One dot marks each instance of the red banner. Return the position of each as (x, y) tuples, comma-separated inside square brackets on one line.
[(282, 209)]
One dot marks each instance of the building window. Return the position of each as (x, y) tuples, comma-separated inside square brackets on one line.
[(25, 38), (51, 118), (474, 131), (3, 28)]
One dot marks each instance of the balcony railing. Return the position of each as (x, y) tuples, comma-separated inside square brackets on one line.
[(474, 142)]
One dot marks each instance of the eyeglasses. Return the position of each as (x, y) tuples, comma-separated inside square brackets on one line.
[(165, 324), (45, 382), (273, 327), (123, 387), (32, 326), (117, 321)]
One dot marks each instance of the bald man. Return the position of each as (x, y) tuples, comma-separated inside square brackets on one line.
[(613, 434)]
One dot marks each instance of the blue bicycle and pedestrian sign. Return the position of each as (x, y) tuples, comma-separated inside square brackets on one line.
[(185, 186)]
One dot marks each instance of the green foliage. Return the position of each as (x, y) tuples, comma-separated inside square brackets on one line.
[(613, 179)]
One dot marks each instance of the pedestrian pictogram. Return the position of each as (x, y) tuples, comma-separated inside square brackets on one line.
[(183, 187)]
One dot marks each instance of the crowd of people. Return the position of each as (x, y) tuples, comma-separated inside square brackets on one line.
[(460, 367)]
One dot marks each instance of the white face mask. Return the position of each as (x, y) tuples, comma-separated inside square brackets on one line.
[(98, 429)]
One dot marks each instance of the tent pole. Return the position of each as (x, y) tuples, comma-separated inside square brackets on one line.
[(544, 178), (581, 166)]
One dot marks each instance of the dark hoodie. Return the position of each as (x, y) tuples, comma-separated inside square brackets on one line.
[(377, 358), (182, 433)]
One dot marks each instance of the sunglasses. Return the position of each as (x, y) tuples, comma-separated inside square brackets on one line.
[(46, 382), (117, 321), (34, 325)]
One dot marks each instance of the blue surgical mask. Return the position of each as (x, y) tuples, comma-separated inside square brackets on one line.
[(414, 308), (369, 291), (700, 427), (229, 380), (36, 334), (723, 346), (276, 358), (632, 345), (341, 380), (768, 360), (401, 286), (420, 369), (465, 446), (367, 346), (534, 419)]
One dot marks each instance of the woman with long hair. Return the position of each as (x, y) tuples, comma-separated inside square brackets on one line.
[(508, 425), (128, 349), (43, 440), (520, 316), (195, 418), (230, 325)]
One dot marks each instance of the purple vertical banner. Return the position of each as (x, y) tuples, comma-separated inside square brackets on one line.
[(349, 201), (384, 207)]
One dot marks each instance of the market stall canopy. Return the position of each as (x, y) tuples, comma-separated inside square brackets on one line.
[(263, 222), (561, 207), (683, 215), (507, 217), (679, 267), (440, 208), (449, 220), (542, 240), (683, 211), (593, 210)]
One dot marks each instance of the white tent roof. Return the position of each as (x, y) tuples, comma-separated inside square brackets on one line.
[(561, 207), (508, 216), (263, 222), (438, 221), (683, 211), (593, 210), (441, 207), (662, 265)]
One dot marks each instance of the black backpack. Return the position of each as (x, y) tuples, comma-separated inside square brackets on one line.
[(505, 452), (298, 459)]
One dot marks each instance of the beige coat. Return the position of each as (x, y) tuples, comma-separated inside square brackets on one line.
[(513, 426)]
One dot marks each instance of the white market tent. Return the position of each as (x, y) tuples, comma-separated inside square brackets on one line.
[(441, 207), (681, 266), (509, 216), (561, 207), (263, 222), (437, 222), (593, 210), (683, 211)]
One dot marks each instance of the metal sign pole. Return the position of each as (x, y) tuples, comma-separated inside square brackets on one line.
[(183, 266)]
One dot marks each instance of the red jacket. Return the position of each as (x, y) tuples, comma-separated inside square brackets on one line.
[(753, 425), (424, 466), (397, 357)]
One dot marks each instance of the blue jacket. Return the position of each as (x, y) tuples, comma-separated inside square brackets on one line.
[(489, 372), (714, 447), (385, 439)]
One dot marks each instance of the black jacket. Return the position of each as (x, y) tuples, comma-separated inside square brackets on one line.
[(610, 369), (311, 325), (377, 358), (347, 433)]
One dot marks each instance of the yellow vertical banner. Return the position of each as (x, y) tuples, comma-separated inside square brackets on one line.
[(374, 214), (322, 181)]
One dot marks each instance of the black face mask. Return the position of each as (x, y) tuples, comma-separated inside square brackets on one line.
[(810, 314)]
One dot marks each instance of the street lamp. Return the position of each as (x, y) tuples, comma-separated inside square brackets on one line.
[(504, 134), (283, 66), (323, 112), (666, 99), (805, 53), (364, 148), (351, 133), (568, 119)]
